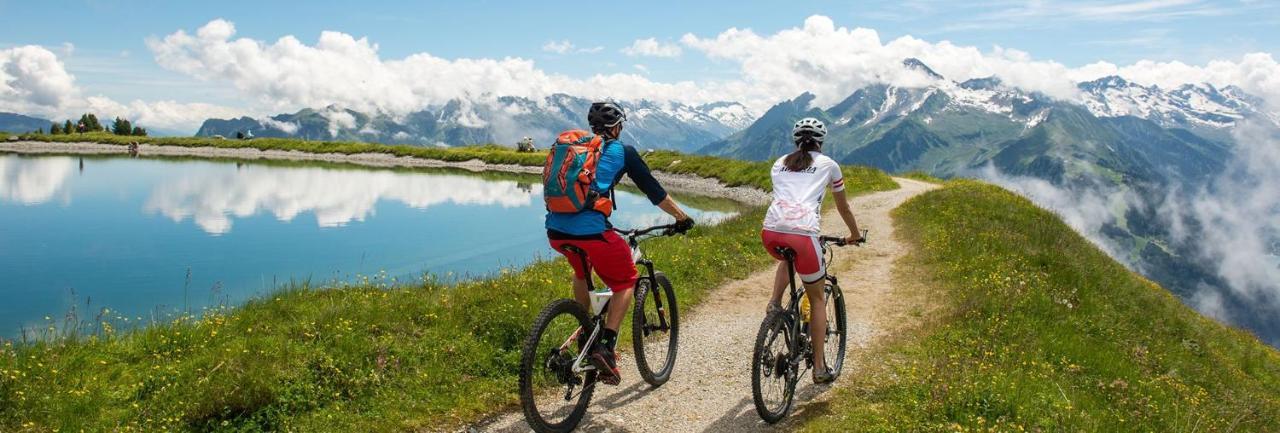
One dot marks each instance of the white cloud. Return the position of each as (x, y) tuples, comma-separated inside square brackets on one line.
[(340, 69), (1237, 218), (652, 48), (34, 81), (818, 57), (566, 47), (558, 47), (338, 120), (833, 61), (287, 127), (1256, 73), (642, 68)]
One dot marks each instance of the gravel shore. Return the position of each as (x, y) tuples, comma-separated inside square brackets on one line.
[(675, 182)]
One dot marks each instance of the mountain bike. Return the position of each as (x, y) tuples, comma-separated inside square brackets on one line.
[(783, 351), (555, 352)]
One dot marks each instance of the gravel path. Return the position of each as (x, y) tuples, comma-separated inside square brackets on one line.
[(711, 387), (675, 182)]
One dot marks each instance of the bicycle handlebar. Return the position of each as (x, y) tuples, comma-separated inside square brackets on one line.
[(635, 233), (840, 241)]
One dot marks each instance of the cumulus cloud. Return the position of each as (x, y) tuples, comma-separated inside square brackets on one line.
[(341, 69), (652, 48), (34, 81), (1255, 73), (833, 61), (32, 77), (817, 56)]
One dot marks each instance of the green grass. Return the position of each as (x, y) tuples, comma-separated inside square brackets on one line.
[(373, 356), (1038, 330), (922, 176)]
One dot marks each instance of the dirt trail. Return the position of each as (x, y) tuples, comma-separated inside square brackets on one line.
[(711, 387)]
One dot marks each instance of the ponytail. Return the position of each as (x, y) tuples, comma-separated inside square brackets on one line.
[(801, 159)]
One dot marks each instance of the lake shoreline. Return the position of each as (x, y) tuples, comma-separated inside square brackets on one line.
[(676, 182)]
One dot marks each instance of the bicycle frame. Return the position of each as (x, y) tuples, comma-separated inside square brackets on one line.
[(597, 320)]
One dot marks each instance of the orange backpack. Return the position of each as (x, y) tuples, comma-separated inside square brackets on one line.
[(570, 172)]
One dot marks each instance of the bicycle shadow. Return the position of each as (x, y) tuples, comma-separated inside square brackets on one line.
[(743, 417), (624, 396)]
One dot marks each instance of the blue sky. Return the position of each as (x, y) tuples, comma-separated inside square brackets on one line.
[(102, 42)]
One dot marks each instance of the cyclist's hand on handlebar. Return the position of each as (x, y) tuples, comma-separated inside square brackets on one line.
[(681, 226), (850, 240)]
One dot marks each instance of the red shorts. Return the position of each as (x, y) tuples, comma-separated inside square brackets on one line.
[(610, 258), (808, 253)]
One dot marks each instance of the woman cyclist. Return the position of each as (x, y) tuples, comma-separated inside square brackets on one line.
[(589, 230), (800, 179)]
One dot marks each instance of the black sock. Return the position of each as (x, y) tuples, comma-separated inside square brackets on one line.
[(609, 338)]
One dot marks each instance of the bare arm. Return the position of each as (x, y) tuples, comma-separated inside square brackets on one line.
[(671, 208), (842, 206)]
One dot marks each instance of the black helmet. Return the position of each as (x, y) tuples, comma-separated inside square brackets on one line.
[(605, 114)]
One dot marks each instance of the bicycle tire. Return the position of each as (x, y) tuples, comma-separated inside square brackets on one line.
[(664, 295), (836, 298), (529, 360), (774, 327)]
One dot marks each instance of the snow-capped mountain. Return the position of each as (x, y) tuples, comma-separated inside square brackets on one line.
[(1201, 108), (949, 127), (501, 120)]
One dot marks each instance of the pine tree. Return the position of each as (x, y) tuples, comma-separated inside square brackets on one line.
[(67, 128), (93, 125), (121, 127), (55, 129), (139, 131)]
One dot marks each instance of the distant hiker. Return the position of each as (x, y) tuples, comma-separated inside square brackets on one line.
[(525, 145), (133, 148), (581, 172), (800, 179)]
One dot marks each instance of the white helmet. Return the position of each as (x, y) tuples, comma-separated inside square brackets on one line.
[(809, 127)]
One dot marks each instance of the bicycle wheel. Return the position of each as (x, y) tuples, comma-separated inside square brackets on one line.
[(655, 329), (837, 335), (547, 361), (773, 375)]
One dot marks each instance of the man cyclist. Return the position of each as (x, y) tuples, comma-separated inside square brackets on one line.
[(589, 230)]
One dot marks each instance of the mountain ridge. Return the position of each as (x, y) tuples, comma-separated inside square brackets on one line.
[(502, 120)]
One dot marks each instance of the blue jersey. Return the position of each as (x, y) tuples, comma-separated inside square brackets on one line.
[(616, 159)]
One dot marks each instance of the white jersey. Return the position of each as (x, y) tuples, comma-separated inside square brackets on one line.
[(797, 195)]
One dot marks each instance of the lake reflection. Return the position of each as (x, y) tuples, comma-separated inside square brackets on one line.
[(335, 197), (33, 181), (145, 236)]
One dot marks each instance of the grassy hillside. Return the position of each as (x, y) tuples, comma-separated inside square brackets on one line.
[(374, 356), (1038, 330)]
